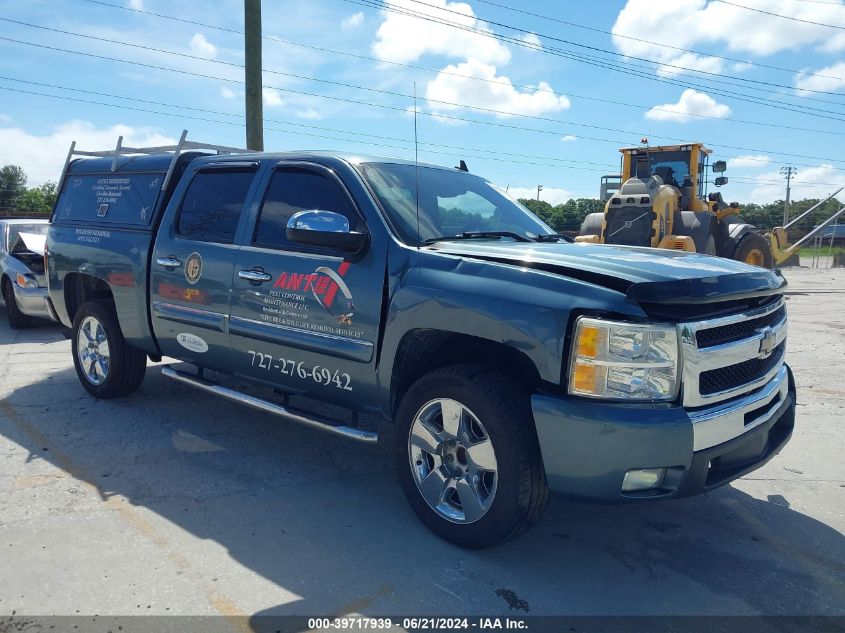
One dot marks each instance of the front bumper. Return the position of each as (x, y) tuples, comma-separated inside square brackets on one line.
[(588, 446), (32, 301)]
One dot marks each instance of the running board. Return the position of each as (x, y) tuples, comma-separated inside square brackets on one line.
[(349, 432)]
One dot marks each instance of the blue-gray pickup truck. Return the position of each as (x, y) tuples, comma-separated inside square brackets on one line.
[(510, 361)]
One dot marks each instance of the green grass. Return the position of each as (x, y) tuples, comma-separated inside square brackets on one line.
[(823, 251)]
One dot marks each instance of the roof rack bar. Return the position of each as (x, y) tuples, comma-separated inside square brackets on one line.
[(176, 152), (121, 150), (116, 153)]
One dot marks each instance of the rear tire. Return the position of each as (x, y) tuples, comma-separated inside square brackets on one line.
[(754, 249), (17, 319), (482, 474), (107, 366)]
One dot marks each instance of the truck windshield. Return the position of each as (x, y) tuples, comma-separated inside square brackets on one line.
[(451, 203)]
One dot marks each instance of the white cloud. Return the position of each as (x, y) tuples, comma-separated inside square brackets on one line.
[(832, 79), (227, 93), (552, 195), (810, 182), (309, 113), (354, 20), (691, 102), (569, 138), (136, 4), (757, 161), (402, 38), (272, 98), (532, 41), (692, 23), (45, 154), (201, 47), (5, 119), (495, 93)]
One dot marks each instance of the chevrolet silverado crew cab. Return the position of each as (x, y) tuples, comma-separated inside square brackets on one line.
[(510, 361)]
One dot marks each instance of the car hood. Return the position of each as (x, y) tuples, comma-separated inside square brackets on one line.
[(648, 275)]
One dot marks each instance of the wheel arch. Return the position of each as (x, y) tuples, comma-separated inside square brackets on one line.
[(80, 288), (424, 350)]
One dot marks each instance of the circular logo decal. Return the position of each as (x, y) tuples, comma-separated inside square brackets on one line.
[(193, 268)]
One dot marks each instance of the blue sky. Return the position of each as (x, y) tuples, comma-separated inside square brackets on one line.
[(525, 99)]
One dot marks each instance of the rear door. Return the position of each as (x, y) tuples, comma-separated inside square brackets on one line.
[(193, 262), (305, 318)]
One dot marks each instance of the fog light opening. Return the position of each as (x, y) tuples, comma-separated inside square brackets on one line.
[(643, 479)]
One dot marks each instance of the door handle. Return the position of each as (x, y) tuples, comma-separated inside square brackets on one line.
[(255, 276), (168, 262)]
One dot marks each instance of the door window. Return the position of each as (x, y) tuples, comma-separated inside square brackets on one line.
[(213, 205), (291, 191)]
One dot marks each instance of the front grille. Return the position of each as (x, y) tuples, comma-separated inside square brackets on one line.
[(629, 226), (734, 376), (738, 331)]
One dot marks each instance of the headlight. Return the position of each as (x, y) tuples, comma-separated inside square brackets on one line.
[(623, 361), (26, 281)]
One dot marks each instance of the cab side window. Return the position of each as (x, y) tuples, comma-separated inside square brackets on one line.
[(294, 190), (213, 205)]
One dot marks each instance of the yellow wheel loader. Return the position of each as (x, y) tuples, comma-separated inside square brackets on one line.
[(661, 200)]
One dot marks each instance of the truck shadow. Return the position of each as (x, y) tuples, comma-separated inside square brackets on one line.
[(324, 520)]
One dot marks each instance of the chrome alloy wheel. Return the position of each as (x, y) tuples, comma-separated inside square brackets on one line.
[(453, 461), (92, 349)]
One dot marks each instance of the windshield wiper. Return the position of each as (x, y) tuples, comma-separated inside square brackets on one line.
[(553, 237), (471, 235)]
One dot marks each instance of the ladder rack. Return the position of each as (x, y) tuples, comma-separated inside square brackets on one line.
[(177, 149)]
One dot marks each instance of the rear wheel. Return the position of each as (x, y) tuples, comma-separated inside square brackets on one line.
[(106, 365), (755, 250), (17, 319), (467, 456)]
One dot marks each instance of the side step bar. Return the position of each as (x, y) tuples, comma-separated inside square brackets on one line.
[(270, 407)]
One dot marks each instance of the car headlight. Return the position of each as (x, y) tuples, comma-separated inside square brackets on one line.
[(26, 281), (623, 361)]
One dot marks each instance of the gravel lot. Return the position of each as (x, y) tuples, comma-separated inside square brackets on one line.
[(173, 502)]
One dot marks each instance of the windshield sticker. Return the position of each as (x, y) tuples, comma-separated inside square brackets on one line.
[(193, 268)]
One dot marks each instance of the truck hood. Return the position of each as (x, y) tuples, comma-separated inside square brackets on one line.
[(645, 275)]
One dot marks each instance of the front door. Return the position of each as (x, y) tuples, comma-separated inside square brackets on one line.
[(193, 263), (304, 318)]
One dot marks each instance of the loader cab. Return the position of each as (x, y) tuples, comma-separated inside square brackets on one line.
[(684, 167)]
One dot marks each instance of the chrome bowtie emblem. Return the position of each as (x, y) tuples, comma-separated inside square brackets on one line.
[(767, 343)]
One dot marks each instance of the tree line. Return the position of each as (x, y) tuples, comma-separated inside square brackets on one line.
[(17, 198), (567, 217)]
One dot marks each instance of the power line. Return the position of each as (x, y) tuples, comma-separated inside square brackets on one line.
[(279, 40), (315, 127), (369, 89), (605, 51), (652, 43), (778, 15), (628, 69), (396, 108)]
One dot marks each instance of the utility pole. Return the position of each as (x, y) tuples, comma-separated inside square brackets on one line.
[(254, 92), (539, 189), (788, 173)]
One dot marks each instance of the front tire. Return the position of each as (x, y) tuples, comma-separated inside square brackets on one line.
[(17, 319), (754, 249), (467, 456), (107, 366)]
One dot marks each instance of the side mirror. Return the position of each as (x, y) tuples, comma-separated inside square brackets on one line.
[(719, 166), (721, 180), (325, 228)]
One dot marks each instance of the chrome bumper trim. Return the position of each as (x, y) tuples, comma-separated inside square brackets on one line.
[(720, 424)]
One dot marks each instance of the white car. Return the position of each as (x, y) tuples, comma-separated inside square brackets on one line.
[(22, 281)]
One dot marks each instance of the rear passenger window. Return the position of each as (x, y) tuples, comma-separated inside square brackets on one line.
[(213, 205), (291, 191)]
